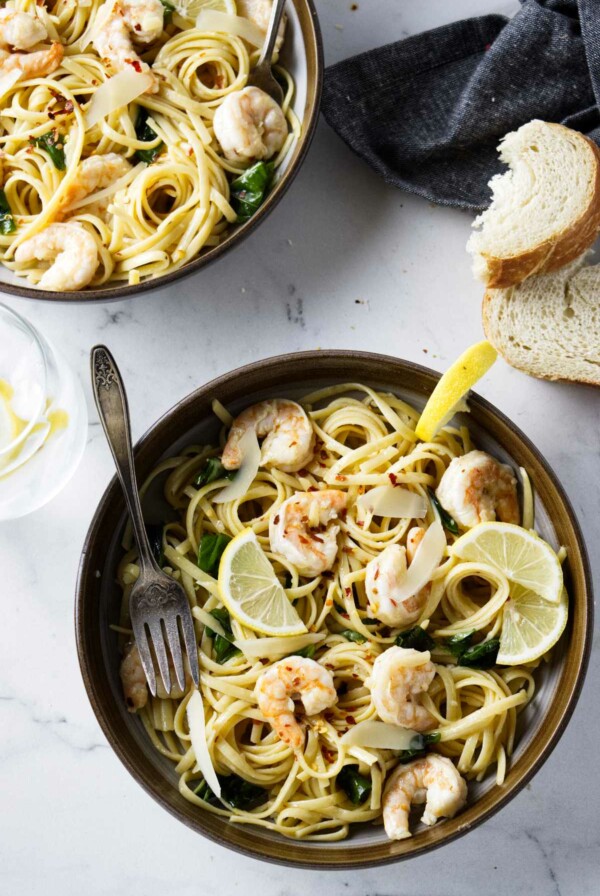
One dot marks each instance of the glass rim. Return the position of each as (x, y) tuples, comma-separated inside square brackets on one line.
[(43, 353)]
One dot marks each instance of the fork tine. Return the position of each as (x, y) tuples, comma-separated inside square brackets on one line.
[(191, 648), (174, 643), (141, 640), (158, 642)]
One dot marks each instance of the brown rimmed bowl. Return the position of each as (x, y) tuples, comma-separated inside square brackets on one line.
[(302, 55), (192, 421)]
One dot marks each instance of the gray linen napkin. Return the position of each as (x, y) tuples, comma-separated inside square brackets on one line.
[(427, 112)]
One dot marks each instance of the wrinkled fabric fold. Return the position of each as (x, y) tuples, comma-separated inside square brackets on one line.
[(427, 112)]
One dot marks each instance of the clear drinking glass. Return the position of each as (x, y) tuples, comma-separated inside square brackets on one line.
[(43, 418)]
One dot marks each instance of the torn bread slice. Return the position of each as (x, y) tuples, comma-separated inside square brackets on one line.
[(545, 210), (549, 326)]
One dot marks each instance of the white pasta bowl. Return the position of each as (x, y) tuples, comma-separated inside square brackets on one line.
[(98, 599), (302, 57)]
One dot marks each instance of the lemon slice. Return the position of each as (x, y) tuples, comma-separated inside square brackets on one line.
[(448, 396), (523, 557), (530, 627), (252, 592)]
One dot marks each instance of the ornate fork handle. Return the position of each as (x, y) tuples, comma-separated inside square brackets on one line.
[(113, 409)]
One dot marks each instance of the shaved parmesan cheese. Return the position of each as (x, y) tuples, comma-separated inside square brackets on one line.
[(250, 451), (379, 735), (9, 80), (210, 622), (213, 20), (427, 559), (195, 716), (260, 648), (391, 500), (118, 91)]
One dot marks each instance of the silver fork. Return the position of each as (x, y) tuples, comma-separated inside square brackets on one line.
[(262, 75), (157, 604)]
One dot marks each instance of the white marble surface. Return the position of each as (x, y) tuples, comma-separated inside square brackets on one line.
[(344, 262)]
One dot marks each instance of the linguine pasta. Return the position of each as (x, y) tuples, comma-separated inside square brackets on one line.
[(365, 439), (163, 211)]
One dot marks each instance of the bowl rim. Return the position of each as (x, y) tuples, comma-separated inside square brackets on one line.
[(502, 799), (235, 238)]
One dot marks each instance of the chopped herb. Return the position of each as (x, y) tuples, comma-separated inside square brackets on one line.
[(7, 222), (206, 794), (418, 746), (169, 10), (474, 656), (154, 531), (448, 522), (54, 144), (481, 656), (144, 132), (212, 470), (350, 635), (250, 188), (308, 651), (223, 648), (356, 787), (210, 551), (457, 644), (416, 639), (235, 791)]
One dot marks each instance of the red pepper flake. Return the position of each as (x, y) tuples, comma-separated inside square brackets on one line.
[(323, 455), (360, 525), (328, 755), (393, 602), (137, 27), (276, 519), (351, 720), (340, 478), (376, 576), (265, 662), (312, 488), (303, 539), (393, 478), (316, 538), (292, 444), (347, 591), (348, 550)]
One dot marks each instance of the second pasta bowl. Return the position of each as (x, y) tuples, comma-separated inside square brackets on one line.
[(343, 629)]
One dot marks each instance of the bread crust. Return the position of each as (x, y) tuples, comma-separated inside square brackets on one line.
[(555, 252), (499, 344)]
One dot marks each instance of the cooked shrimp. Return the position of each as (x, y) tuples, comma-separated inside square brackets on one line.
[(291, 535), (72, 251), (135, 685), (289, 435), (33, 65), (259, 12), (385, 575), (93, 173), (294, 677), (433, 780), (399, 676), (133, 679), (144, 18), (20, 30), (250, 125), (477, 488), (112, 39)]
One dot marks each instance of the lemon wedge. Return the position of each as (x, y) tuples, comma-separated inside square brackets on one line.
[(525, 559), (530, 626), (252, 592), (448, 396)]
